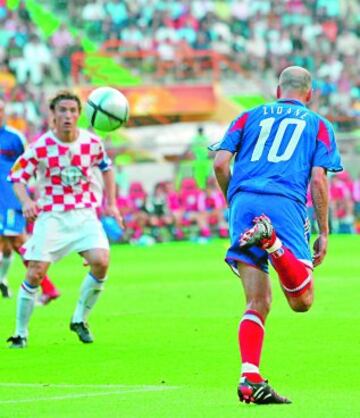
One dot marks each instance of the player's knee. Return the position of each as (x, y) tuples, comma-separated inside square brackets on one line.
[(35, 274), (302, 303), (101, 262)]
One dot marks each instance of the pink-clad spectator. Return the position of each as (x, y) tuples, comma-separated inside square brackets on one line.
[(213, 203), (139, 218), (356, 199), (173, 202), (190, 197), (342, 204)]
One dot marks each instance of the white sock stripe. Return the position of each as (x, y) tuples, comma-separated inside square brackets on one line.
[(254, 318), (28, 289), (249, 368), (276, 246), (97, 280), (303, 284)]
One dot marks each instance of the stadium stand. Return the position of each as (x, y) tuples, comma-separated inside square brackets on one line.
[(64, 43)]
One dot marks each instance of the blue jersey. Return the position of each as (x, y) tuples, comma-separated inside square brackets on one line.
[(276, 146), (12, 145)]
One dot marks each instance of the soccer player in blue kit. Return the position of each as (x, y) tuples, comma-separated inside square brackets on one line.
[(12, 221), (278, 149)]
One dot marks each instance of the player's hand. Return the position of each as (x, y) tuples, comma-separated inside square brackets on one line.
[(112, 210), (320, 248), (30, 210)]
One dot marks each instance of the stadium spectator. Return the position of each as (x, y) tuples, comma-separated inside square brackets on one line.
[(356, 197), (160, 216), (191, 210), (12, 221), (64, 215), (267, 188), (342, 203), (61, 42), (139, 213), (213, 204), (39, 62)]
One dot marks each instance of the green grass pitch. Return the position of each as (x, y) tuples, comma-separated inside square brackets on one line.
[(166, 341)]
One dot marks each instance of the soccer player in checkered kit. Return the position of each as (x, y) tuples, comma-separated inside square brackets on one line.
[(62, 161)]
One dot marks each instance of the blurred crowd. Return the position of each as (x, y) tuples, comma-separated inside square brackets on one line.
[(195, 213), (262, 36), (168, 214)]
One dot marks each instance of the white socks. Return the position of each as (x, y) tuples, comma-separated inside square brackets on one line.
[(4, 267), (24, 308), (89, 293)]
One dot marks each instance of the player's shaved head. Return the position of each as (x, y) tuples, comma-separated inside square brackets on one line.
[(295, 78), (295, 83)]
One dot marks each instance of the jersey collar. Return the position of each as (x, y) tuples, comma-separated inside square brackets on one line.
[(291, 101)]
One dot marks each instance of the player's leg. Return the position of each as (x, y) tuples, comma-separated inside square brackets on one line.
[(93, 284), (12, 225), (284, 234), (253, 387), (26, 300), (4, 266), (49, 291), (295, 276), (251, 264), (252, 326)]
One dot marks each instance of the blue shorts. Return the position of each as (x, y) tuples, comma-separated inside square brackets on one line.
[(288, 217), (12, 222)]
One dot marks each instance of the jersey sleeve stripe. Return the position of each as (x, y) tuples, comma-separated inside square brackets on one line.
[(239, 123), (323, 135)]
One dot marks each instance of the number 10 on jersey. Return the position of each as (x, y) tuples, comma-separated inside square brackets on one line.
[(266, 128)]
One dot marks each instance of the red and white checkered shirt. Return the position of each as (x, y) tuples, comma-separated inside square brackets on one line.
[(63, 170)]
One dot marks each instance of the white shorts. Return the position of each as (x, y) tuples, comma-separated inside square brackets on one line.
[(57, 234)]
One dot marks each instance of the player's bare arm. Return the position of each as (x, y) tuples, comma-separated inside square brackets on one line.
[(110, 191), (222, 170), (29, 207), (320, 196)]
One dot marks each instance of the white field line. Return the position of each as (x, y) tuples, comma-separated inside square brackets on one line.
[(83, 385), (125, 389)]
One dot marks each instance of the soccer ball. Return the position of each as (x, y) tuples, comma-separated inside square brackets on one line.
[(107, 109)]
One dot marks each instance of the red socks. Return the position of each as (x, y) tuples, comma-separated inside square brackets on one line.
[(293, 275), (251, 336), (47, 286)]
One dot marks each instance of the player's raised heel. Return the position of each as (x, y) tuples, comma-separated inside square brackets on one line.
[(17, 342), (259, 393), (83, 332), (46, 298)]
